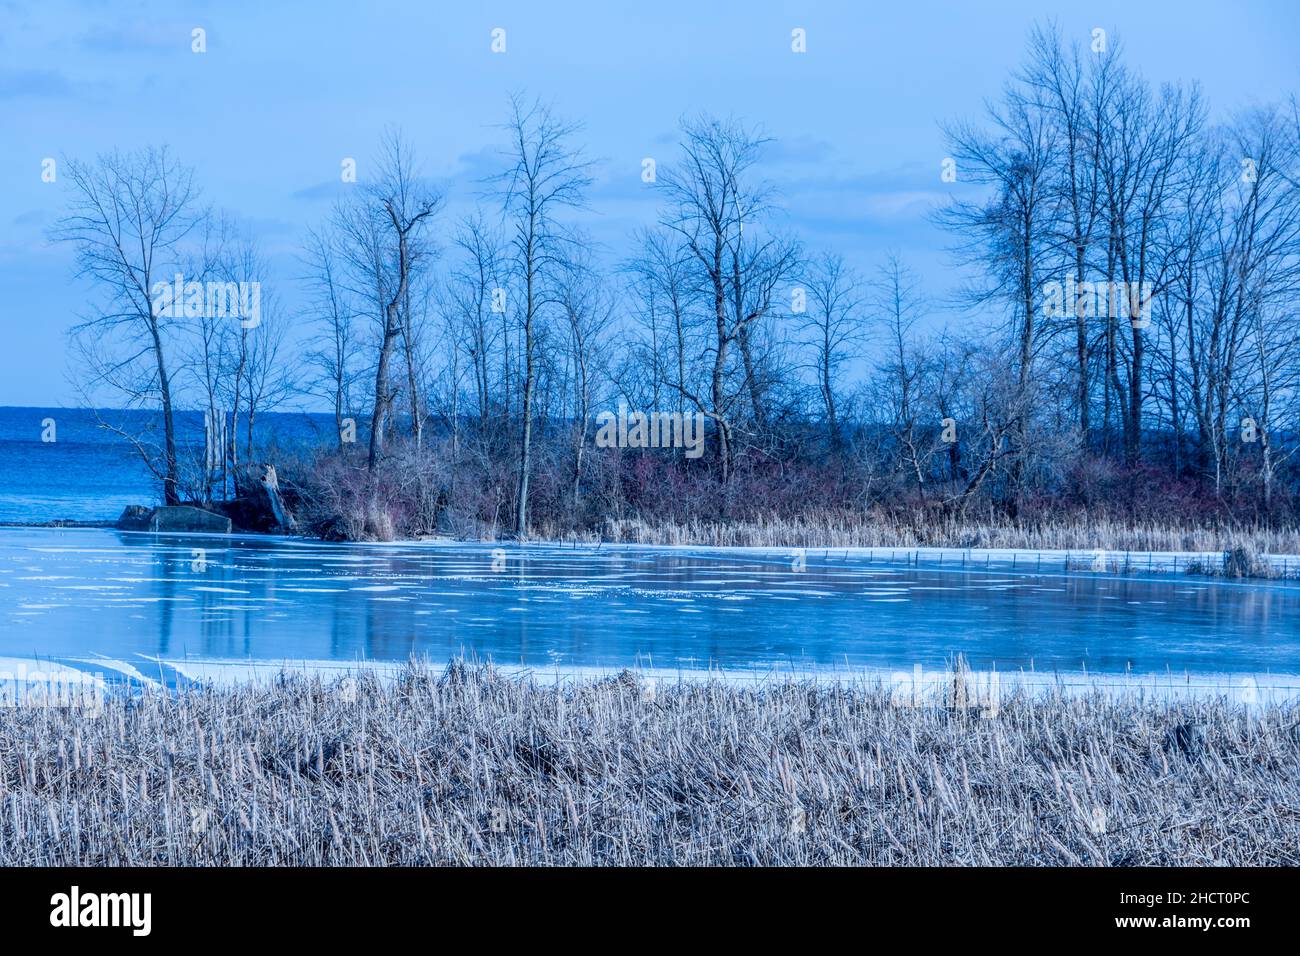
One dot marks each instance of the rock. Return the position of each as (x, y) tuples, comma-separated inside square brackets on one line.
[(248, 513), (177, 519), (261, 506), (134, 518), (173, 519)]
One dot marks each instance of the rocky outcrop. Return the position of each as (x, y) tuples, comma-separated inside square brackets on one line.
[(135, 518), (260, 506), (173, 519)]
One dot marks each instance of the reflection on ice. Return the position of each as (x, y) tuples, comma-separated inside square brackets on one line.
[(73, 594)]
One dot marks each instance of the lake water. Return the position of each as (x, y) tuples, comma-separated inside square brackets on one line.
[(83, 593), (61, 464)]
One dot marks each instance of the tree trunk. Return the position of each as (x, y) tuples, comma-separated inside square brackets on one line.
[(718, 396), (525, 451), (171, 482), (1081, 355), (377, 417)]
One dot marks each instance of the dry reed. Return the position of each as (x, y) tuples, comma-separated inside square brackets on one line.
[(872, 530), (472, 767)]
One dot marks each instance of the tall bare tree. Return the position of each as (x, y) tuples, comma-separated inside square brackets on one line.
[(710, 201), (913, 416), (834, 330), (545, 176), (331, 306), (588, 312), (1072, 95), (407, 205), (130, 219)]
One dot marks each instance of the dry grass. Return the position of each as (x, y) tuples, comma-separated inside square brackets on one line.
[(868, 530), (473, 768)]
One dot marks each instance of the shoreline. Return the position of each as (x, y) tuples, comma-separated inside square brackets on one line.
[(908, 683)]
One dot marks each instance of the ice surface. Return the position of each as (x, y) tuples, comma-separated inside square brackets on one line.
[(76, 594)]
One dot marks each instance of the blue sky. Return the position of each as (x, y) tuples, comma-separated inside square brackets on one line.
[(287, 90)]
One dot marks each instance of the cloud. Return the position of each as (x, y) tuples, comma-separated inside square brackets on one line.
[(269, 226), (42, 83), (850, 177), (32, 217), (141, 36), (798, 150), (481, 164), (325, 191), (621, 181)]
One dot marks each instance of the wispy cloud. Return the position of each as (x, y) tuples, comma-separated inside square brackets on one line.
[(37, 83), (320, 192), (139, 36)]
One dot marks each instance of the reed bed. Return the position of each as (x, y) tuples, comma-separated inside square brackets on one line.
[(472, 767), (872, 530)]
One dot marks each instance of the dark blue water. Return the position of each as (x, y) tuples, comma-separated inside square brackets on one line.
[(89, 473)]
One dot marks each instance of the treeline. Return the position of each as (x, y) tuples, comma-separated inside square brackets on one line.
[(1129, 348)]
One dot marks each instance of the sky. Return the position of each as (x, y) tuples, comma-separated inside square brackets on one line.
[(286, 91)]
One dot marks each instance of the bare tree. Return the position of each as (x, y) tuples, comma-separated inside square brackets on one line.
[(409, 204), (1072, 97), (833, 330), (666, 287), (131, 216), (242, 263), (209, 356), (710, 200), (545, 175), (904, 370), (472, 293), (1266, 260), (332, 308), (1142, 156), (1009, 233), (588, 312), (270, 381)]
